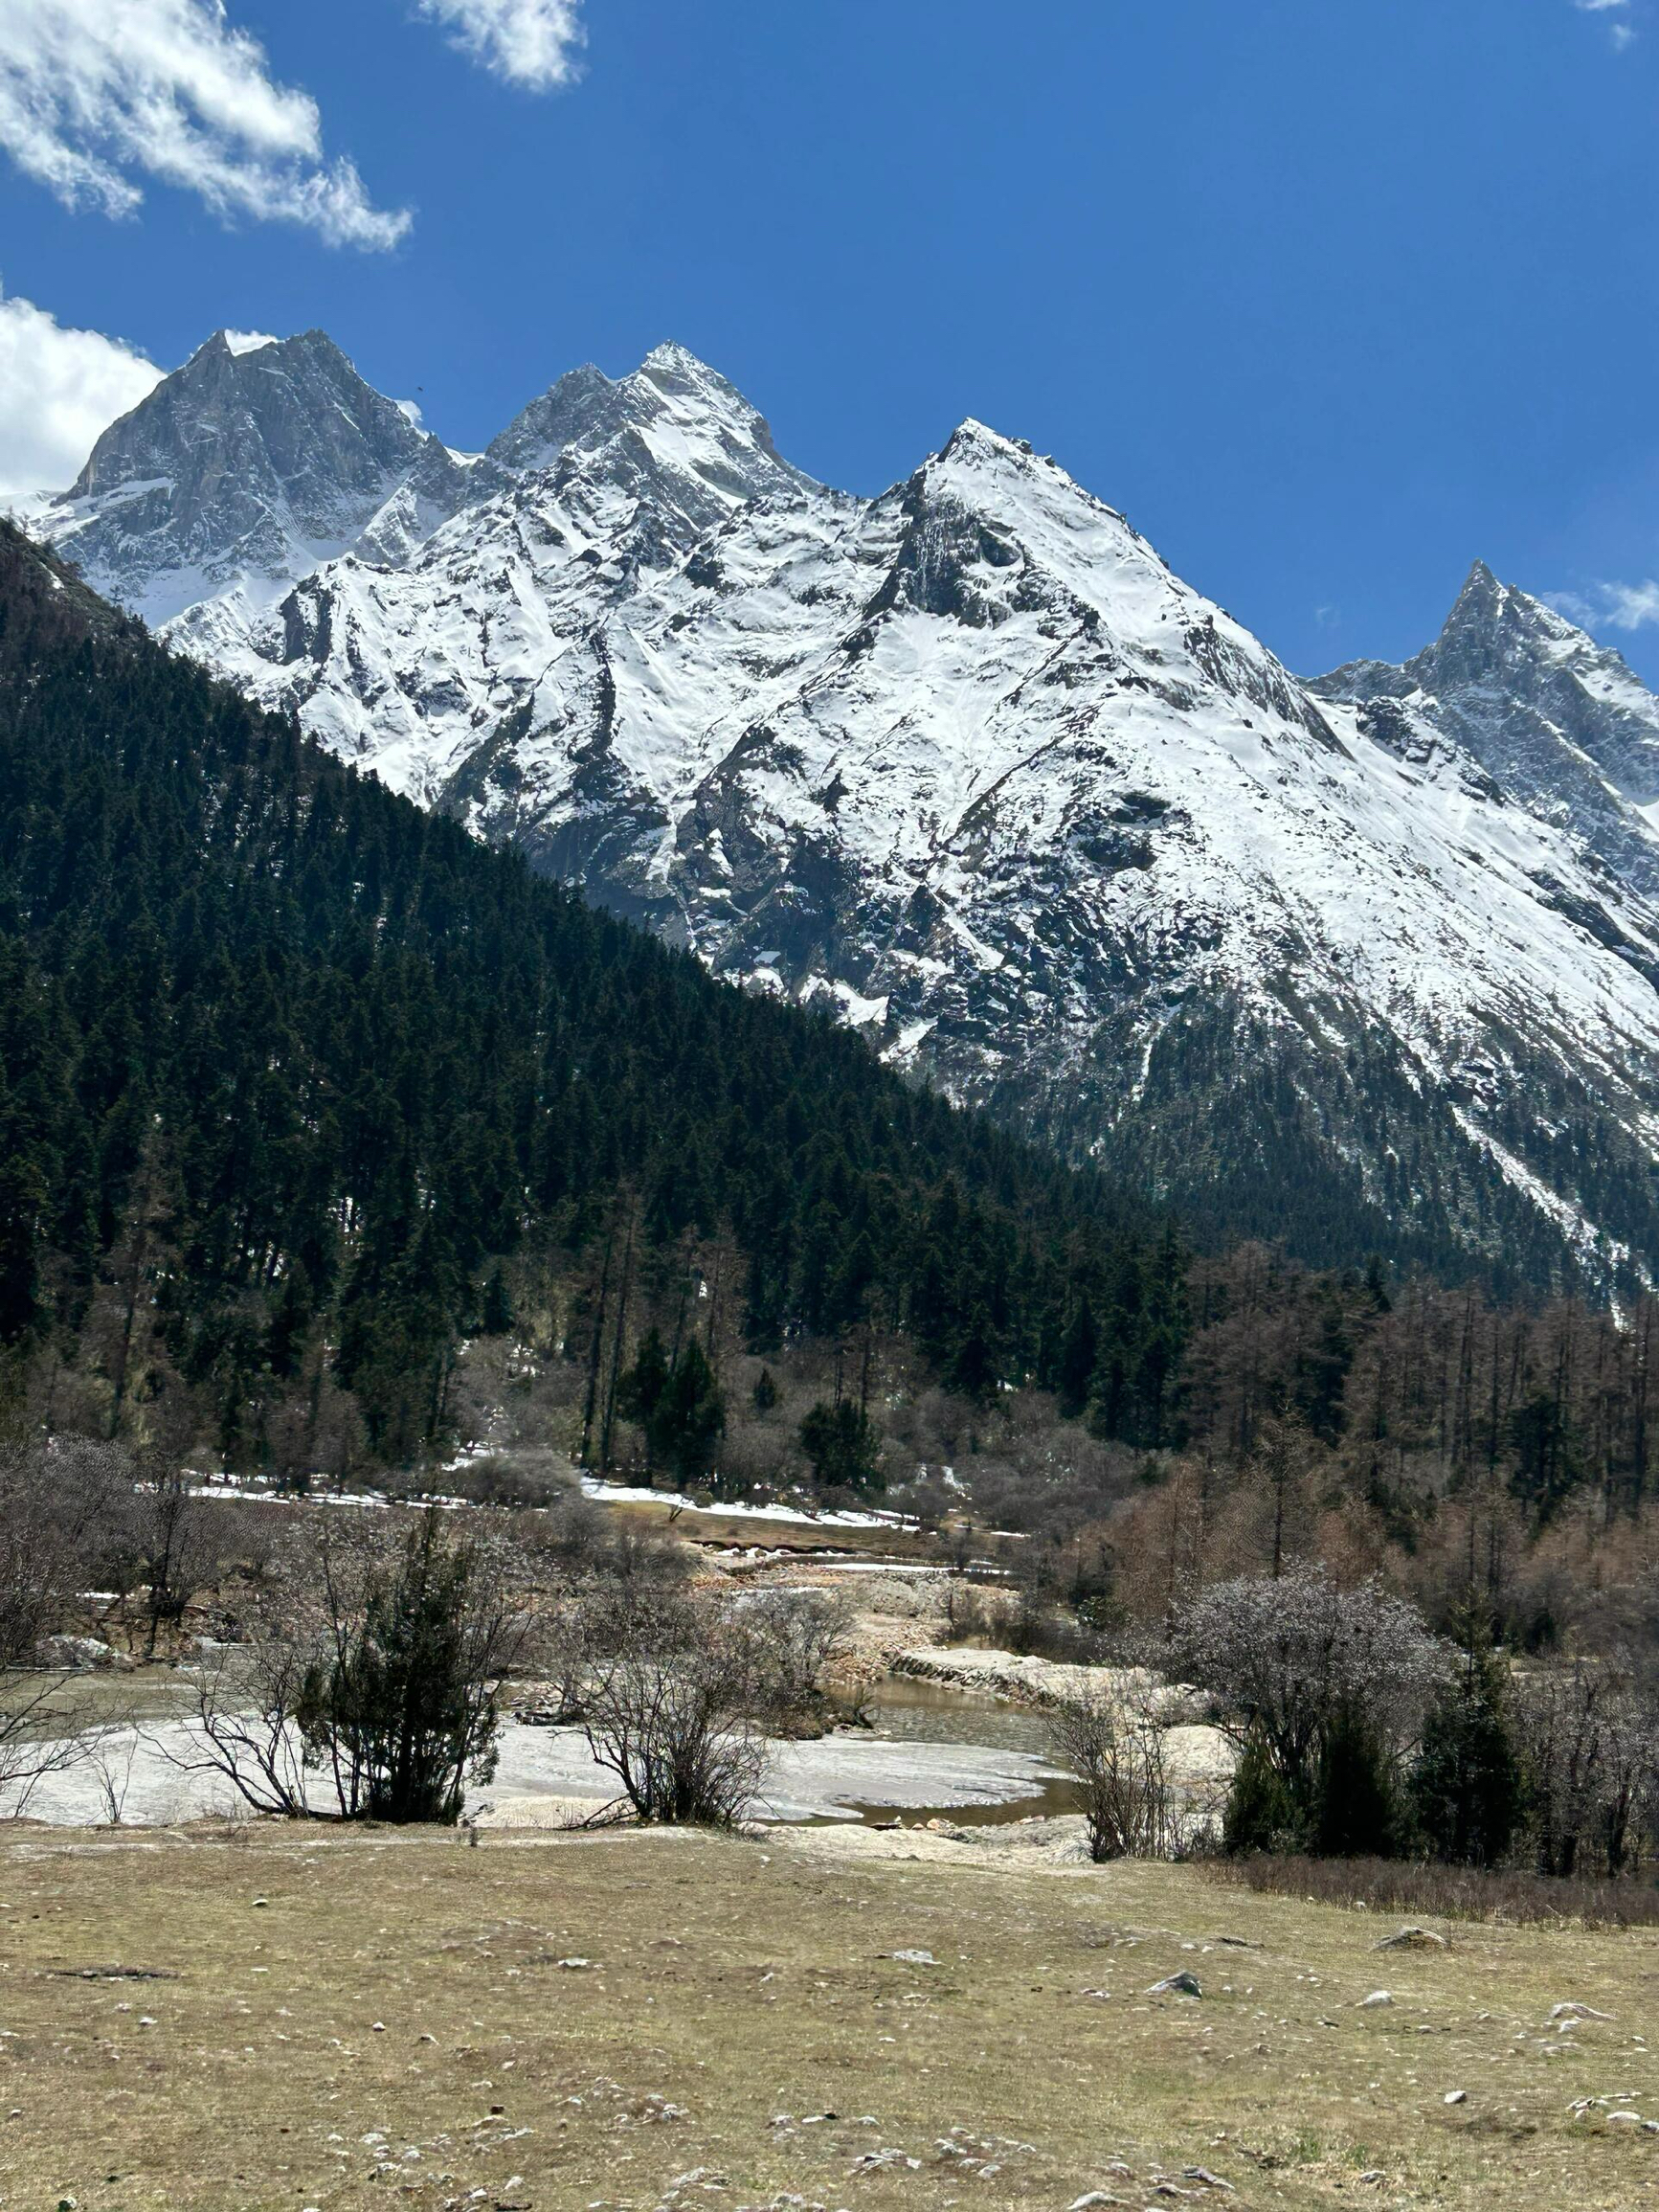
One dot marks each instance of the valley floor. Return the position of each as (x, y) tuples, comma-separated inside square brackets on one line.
[(242, 2019)]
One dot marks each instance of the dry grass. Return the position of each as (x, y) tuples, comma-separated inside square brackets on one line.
[(1447, 1892), (393, 2025)]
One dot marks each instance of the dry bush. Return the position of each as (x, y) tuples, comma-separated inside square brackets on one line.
[(664, 1699), (1113, 1740), (673, 1687), (1395, 1886), (795, 1637), (534, 1480)]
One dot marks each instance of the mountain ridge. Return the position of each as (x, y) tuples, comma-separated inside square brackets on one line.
[(967, 763)]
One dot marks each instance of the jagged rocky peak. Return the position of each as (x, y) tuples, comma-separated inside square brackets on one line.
[(242, 470), (673, 414), (1052, 829), (295, 404), (1562, 724)]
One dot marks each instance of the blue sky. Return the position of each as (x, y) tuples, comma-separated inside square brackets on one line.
[(1328, 298)]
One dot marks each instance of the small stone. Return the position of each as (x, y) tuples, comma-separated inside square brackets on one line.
[(378, 2028), (1090, 2203), (915, 1958), (260, 1901), (1182, 1985), (1623, 2119), (574, 1965), (1377, 1998), (1373, 2177), (1573, 2010), (1455, 2097)]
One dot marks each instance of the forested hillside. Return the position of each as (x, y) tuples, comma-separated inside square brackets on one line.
[(287, 1066)]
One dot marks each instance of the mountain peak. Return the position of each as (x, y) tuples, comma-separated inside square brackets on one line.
[(241, 469), (674, 425), (674, 359)]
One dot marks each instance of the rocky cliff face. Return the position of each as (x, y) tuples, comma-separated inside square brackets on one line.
[(245, 468), (968, 765), (1560, 723)]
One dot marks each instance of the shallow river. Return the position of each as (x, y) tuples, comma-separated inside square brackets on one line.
[(931, 1750)]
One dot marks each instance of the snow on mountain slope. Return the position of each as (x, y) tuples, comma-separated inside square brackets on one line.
[(1561, 723), (968, 764), (246, 467)]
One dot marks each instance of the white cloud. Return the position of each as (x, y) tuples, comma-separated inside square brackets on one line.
[(410, 410), (1620, 28), (58, 390), (98, 95), (1609, 606), (1628, 606), (529, 43), (249, 341)]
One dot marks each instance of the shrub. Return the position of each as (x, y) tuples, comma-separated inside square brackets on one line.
[(1112, 1739)]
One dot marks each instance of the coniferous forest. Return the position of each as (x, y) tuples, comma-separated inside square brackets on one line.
[(301, 1090), (289, 1067)]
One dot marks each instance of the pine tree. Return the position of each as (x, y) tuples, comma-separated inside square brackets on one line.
[(688, 1418), (497, 1316), (1356, 1813), (842, 1447), (1467, 1786)]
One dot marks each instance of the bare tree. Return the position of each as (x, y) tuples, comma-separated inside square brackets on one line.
[(57, 1499), (1588, 1744), (677, 1685), (1113, 1737), (176, 1551)]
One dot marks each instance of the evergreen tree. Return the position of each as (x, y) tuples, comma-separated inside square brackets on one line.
[(642, 1388), (1079, 1351), (1260, 1814), (403, 1702), (842, 1448), (688, 1418), (497, 1316), (1356, 1813), (1467, 1785)]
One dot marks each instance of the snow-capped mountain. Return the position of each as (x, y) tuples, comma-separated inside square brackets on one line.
[(1561, 723), (969, 764), (244, 469)]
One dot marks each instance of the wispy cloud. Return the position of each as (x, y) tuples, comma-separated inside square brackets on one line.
[(529, 43), (58, 390), (1609, 606), (1620, 28), (100, 97)]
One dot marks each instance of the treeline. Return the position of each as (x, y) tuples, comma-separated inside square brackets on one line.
[(289, 1067), (1551, 1399)]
